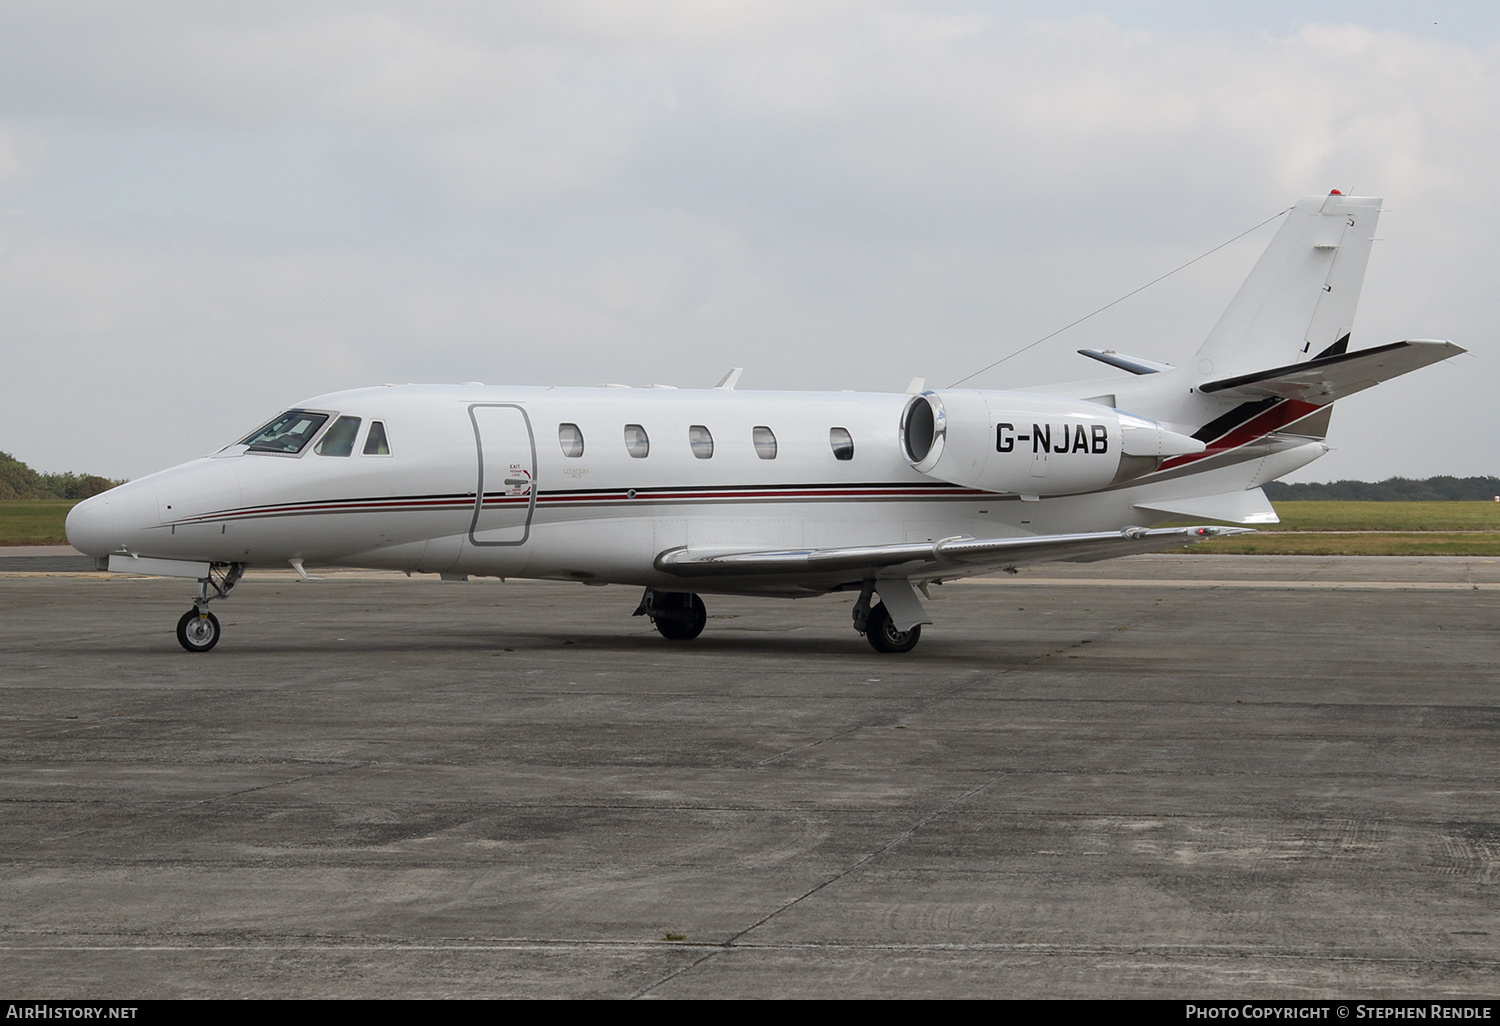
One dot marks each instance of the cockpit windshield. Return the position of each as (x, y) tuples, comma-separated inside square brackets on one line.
[(288, 433)]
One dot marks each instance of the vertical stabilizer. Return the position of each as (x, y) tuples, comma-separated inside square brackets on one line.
[(1298, 302)]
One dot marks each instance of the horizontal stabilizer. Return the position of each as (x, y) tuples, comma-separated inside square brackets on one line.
[(1327, 378), (1248, 507), (952, 557), (1133, 364)]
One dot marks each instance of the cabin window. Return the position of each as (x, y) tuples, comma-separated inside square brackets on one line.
[(637, 443), (571, 440), (765, 443), (375, 442), (339, 439), (702, 441), (288, 433), (842, 443)]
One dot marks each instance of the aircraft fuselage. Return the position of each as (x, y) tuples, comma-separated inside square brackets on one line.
[(766, 470)]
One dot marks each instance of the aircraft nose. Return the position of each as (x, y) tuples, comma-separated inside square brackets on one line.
[(90, 525), (107, 522)]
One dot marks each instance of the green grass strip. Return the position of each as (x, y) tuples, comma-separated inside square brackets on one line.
[(33, 521)]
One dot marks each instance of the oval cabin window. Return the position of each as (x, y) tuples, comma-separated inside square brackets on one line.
[(842, 442), (637, 443), (765, 443), (702, 441)]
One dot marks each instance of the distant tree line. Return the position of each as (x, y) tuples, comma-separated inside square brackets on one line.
[(18, 481), (1392, 489)]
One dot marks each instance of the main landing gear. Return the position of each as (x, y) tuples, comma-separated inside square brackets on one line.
[(678, 616), (876, 625), (198, 630), (882, 635)]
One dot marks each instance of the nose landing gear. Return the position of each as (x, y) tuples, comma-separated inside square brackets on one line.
[(198, 630)]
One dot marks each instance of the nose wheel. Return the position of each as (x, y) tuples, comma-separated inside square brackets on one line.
[(198, 631)]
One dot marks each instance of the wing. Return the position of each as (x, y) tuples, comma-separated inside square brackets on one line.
[(950, 557)]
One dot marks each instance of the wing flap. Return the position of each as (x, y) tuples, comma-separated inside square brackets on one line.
[(1320, 381), (950, 556)]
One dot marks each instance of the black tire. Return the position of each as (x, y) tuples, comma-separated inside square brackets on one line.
[(883, 636), (198, 633), (679, 617)]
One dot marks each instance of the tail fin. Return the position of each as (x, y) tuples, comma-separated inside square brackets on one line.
[(1298, 303), (1270, 370), (1261, 389)]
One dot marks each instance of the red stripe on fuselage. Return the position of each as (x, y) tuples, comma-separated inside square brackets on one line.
[(621, 496), (1277, 417), (647, 495)]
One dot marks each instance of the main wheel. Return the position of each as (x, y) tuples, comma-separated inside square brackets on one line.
[(198, 632), (884, 637), (680, 617)]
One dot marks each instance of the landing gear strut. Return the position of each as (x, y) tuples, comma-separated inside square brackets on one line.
[(198, 630), (678, 616)]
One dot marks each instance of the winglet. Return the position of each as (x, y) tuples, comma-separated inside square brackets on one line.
[(728, 381)]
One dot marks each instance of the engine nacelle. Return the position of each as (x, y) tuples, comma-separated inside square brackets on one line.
[(1020, 443)]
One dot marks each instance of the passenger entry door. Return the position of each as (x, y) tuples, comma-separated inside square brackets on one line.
[(505, 495)]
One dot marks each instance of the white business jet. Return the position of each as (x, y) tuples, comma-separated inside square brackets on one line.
[(786, 494)]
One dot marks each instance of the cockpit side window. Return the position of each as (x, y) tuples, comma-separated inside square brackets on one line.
[(375, 442), (288, 433), (338, 440)]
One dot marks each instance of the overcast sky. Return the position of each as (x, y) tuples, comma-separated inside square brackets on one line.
[(209, 211)]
